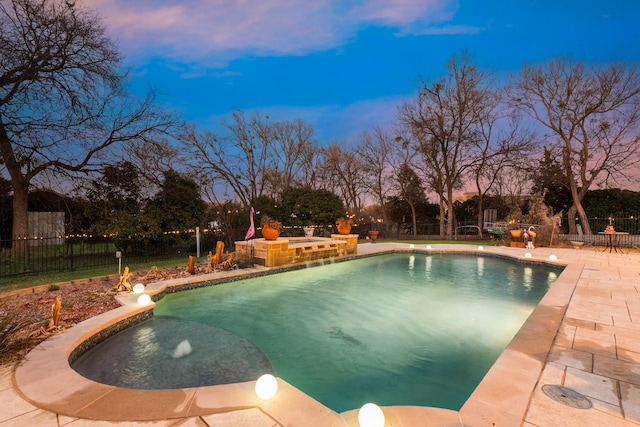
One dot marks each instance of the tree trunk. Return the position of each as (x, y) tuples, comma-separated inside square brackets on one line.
[(20, 231), (586, 228), (579, 210), (20, 205), (450, 214), (571, 215), (442, 217), (480, 212), (413, 218)]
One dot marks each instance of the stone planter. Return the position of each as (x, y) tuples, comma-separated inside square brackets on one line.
[(373, 235)]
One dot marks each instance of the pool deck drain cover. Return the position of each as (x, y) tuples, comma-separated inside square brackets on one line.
[(566, 396)]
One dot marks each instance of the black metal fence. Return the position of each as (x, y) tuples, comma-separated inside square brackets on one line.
[(81, 252), (71, 253), (629, 225)]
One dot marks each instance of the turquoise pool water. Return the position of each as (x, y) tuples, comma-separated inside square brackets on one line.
[(400, 329)]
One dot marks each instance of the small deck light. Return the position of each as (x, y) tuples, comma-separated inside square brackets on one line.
[(481, 248), (138, 288), (428, 247), (412, 246), (370, 415), (527, 255), (144, 299), (553, 257), (266, 386)]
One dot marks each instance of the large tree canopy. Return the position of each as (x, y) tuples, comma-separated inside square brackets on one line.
[(306, 206), (62, 98), (591, 115)]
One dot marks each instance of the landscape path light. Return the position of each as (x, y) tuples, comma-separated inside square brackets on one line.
[(266, 387), (370, 415)]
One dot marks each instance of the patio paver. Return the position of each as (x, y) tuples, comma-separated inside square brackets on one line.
[(594, 351)]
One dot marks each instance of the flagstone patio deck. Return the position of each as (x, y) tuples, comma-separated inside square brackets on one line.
[(584, 335)]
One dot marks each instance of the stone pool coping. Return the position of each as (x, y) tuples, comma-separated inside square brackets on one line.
[(46, 380)]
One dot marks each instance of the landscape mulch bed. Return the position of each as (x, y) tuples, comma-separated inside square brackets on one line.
[(80, 301)]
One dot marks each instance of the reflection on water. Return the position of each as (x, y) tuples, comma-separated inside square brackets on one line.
[(480, 266), (171, 353)]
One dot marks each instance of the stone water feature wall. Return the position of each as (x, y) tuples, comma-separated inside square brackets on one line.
[(291, 250)]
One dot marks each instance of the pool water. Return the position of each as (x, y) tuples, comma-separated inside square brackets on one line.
[(399, 329)]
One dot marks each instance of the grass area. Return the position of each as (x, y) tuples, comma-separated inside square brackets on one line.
[(26, 281)]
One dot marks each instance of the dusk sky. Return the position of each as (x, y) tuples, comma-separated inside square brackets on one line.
[(345, 66)]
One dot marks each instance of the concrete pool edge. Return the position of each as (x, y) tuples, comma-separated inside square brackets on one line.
[(522, 362)]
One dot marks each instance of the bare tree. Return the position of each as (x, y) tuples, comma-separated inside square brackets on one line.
[(291, 157), (153, 158), (343, 171), (444, 122), (376, 152), (591, 112), (62, 99), (238, 160), (502, 143), (254, 157), (512, 184), (411, 190)]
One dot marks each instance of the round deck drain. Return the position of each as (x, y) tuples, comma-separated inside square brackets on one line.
[(566, 396)]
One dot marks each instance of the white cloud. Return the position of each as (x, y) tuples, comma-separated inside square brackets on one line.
[(214, 32)]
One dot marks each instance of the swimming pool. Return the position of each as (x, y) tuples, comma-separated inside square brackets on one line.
[(375, 329)]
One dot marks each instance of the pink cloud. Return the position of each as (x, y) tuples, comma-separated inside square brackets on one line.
[(216, 31), (406, 12)]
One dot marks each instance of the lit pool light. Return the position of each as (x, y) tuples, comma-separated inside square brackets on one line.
[(138, 288), (553, 257), (528, 255), (266, 386), (144, 299), (371, 415)]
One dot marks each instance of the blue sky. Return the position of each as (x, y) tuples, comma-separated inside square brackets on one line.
[(345, 66)]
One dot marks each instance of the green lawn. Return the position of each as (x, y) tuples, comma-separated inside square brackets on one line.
[(27, 281)]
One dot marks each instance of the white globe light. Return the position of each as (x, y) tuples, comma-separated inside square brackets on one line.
[(266, 386), (144, 299), (429, 247), (370, 415), (412, 246), (138, 288), (553, 257), (527, 255), (481, 248)]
